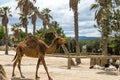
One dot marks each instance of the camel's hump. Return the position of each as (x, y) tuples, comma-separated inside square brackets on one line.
[(31, 41)]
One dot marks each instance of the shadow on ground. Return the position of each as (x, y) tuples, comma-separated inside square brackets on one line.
[(108, 73), (18, 78)]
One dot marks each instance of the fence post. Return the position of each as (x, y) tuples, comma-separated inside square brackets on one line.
[(69, 62)]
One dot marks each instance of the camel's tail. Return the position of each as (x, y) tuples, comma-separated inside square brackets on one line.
[(18, 49), (14, 57)]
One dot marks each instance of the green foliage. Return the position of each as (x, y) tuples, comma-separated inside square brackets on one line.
[(115, 20), (22, 36), (94, 6), (49, 36), (112, 44), (5, 9), (2, 32), (46, 11), (58, 28), (107, 19), (92, 45)]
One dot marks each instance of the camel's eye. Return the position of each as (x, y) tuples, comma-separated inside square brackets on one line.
[(60, 39)]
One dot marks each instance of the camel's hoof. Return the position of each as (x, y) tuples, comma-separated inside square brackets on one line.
[(13, 75), (50, 79), (23, 76), (37, 78)]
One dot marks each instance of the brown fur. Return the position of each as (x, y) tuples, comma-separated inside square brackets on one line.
[(36, 52), (31, 41), (3, 75)]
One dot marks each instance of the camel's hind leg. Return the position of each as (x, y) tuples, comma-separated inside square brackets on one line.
[(19, 67), (37, 67), (14, 65), (46, 69), (17, 60)]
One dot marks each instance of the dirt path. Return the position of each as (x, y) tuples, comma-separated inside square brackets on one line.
[(57, 68)]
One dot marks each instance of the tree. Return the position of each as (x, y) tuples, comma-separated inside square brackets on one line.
[(24, 21), (58, 29), (16, 29), (73, 4), (116, 21), (104, 19), (3, 14), (33, 21), (26, 7), (49, 34), (45, 12)]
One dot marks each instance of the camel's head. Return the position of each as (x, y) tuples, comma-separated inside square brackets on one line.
[(60, 40)]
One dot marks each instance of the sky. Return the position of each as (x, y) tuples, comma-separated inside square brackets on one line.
[(62, 14)]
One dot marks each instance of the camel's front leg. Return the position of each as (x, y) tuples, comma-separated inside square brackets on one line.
[(37, 67), (45, 66)]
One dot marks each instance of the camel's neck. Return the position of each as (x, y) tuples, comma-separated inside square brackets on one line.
[(51, 49)]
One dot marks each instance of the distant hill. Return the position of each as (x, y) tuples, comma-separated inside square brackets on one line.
[(86, 38)]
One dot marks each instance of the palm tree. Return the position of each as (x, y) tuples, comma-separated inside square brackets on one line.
[(26, 7), (3, 14), (73, 4), (104, 18), (39, 14), (33, 21), (58, 28), (16, 29), (24, 21), (45, 12)]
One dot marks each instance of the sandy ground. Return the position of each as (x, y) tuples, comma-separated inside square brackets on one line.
[(57, 67)]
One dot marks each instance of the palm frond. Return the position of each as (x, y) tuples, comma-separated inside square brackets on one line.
[(117, 2), (94, 6)]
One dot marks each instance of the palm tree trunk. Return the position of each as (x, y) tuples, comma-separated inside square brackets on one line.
[(34, 28), (26, 30), (44, 31), (105, 42), (6, 40), (76, 32), (76, 35)]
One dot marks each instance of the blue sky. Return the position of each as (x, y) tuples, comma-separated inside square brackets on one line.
[(62, 14)]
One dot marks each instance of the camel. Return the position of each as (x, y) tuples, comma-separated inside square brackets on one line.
[(38, 50), (3, 75)]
